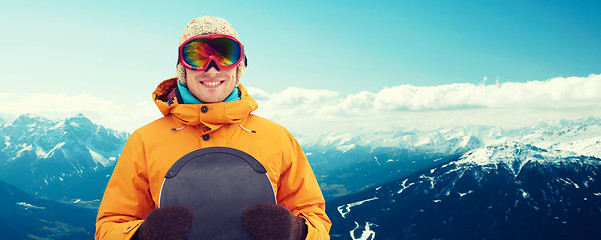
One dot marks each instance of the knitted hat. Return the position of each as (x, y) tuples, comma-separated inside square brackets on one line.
[(203, 26)]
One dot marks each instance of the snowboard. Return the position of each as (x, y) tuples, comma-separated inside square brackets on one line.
[(217, 184)]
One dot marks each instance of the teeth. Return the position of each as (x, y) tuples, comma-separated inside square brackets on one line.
[(211, 83)]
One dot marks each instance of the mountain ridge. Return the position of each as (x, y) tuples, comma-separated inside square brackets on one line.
[(72, 160), (478, 196), (46, 157), (24, 216), (346, 163)]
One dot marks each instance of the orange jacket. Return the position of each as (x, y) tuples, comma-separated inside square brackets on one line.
[(134, 188)]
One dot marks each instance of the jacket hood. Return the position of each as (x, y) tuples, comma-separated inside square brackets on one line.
[(211, 115)]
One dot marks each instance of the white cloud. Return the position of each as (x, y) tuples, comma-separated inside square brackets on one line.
[(553, 93), (311, 111), (511, 104)]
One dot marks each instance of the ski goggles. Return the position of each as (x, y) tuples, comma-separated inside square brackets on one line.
[(196, 53)]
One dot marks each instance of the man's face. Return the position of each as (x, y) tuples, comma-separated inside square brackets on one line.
[(212, 85)]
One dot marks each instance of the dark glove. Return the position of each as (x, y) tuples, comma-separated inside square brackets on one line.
[(273, 222), (166, 223)]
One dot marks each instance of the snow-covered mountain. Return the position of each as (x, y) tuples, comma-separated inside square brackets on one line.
[(66, 160), (395, 183), (24, 216), (540, 182), (347, 163)]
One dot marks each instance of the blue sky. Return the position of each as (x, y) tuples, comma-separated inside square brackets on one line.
[(116, 52)]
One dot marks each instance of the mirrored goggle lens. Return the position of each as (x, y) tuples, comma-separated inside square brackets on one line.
[(197, 52)]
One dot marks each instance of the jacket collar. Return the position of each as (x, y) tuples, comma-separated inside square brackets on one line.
[(211, 115)]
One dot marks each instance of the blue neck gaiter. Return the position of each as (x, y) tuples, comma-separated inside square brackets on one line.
[(188, 98)]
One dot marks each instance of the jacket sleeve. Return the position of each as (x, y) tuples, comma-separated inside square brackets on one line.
[(300, 192), (127, 198)]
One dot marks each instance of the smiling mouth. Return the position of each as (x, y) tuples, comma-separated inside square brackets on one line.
[(212, 84)]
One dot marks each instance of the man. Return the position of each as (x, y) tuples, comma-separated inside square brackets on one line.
[(206, 106)]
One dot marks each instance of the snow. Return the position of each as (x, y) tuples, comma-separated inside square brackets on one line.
[(58, 125), (345, 148), (25, 148), (568, 181), (403, 184), (587, 147), (431, 180), (572, 138), (366, 234), (513, 155), (7, 141), (580, 137), (99, 159), (332, 138), (55, 148), (39, 152), (463, 194), (345, 209), (524, 194), (424, 140), (28, 206)]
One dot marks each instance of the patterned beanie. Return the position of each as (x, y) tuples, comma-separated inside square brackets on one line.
[(202, 26)]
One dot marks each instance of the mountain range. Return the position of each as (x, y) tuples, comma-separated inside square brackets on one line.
[(542, 183), (68, 160), (347, 163), (396, 183)]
